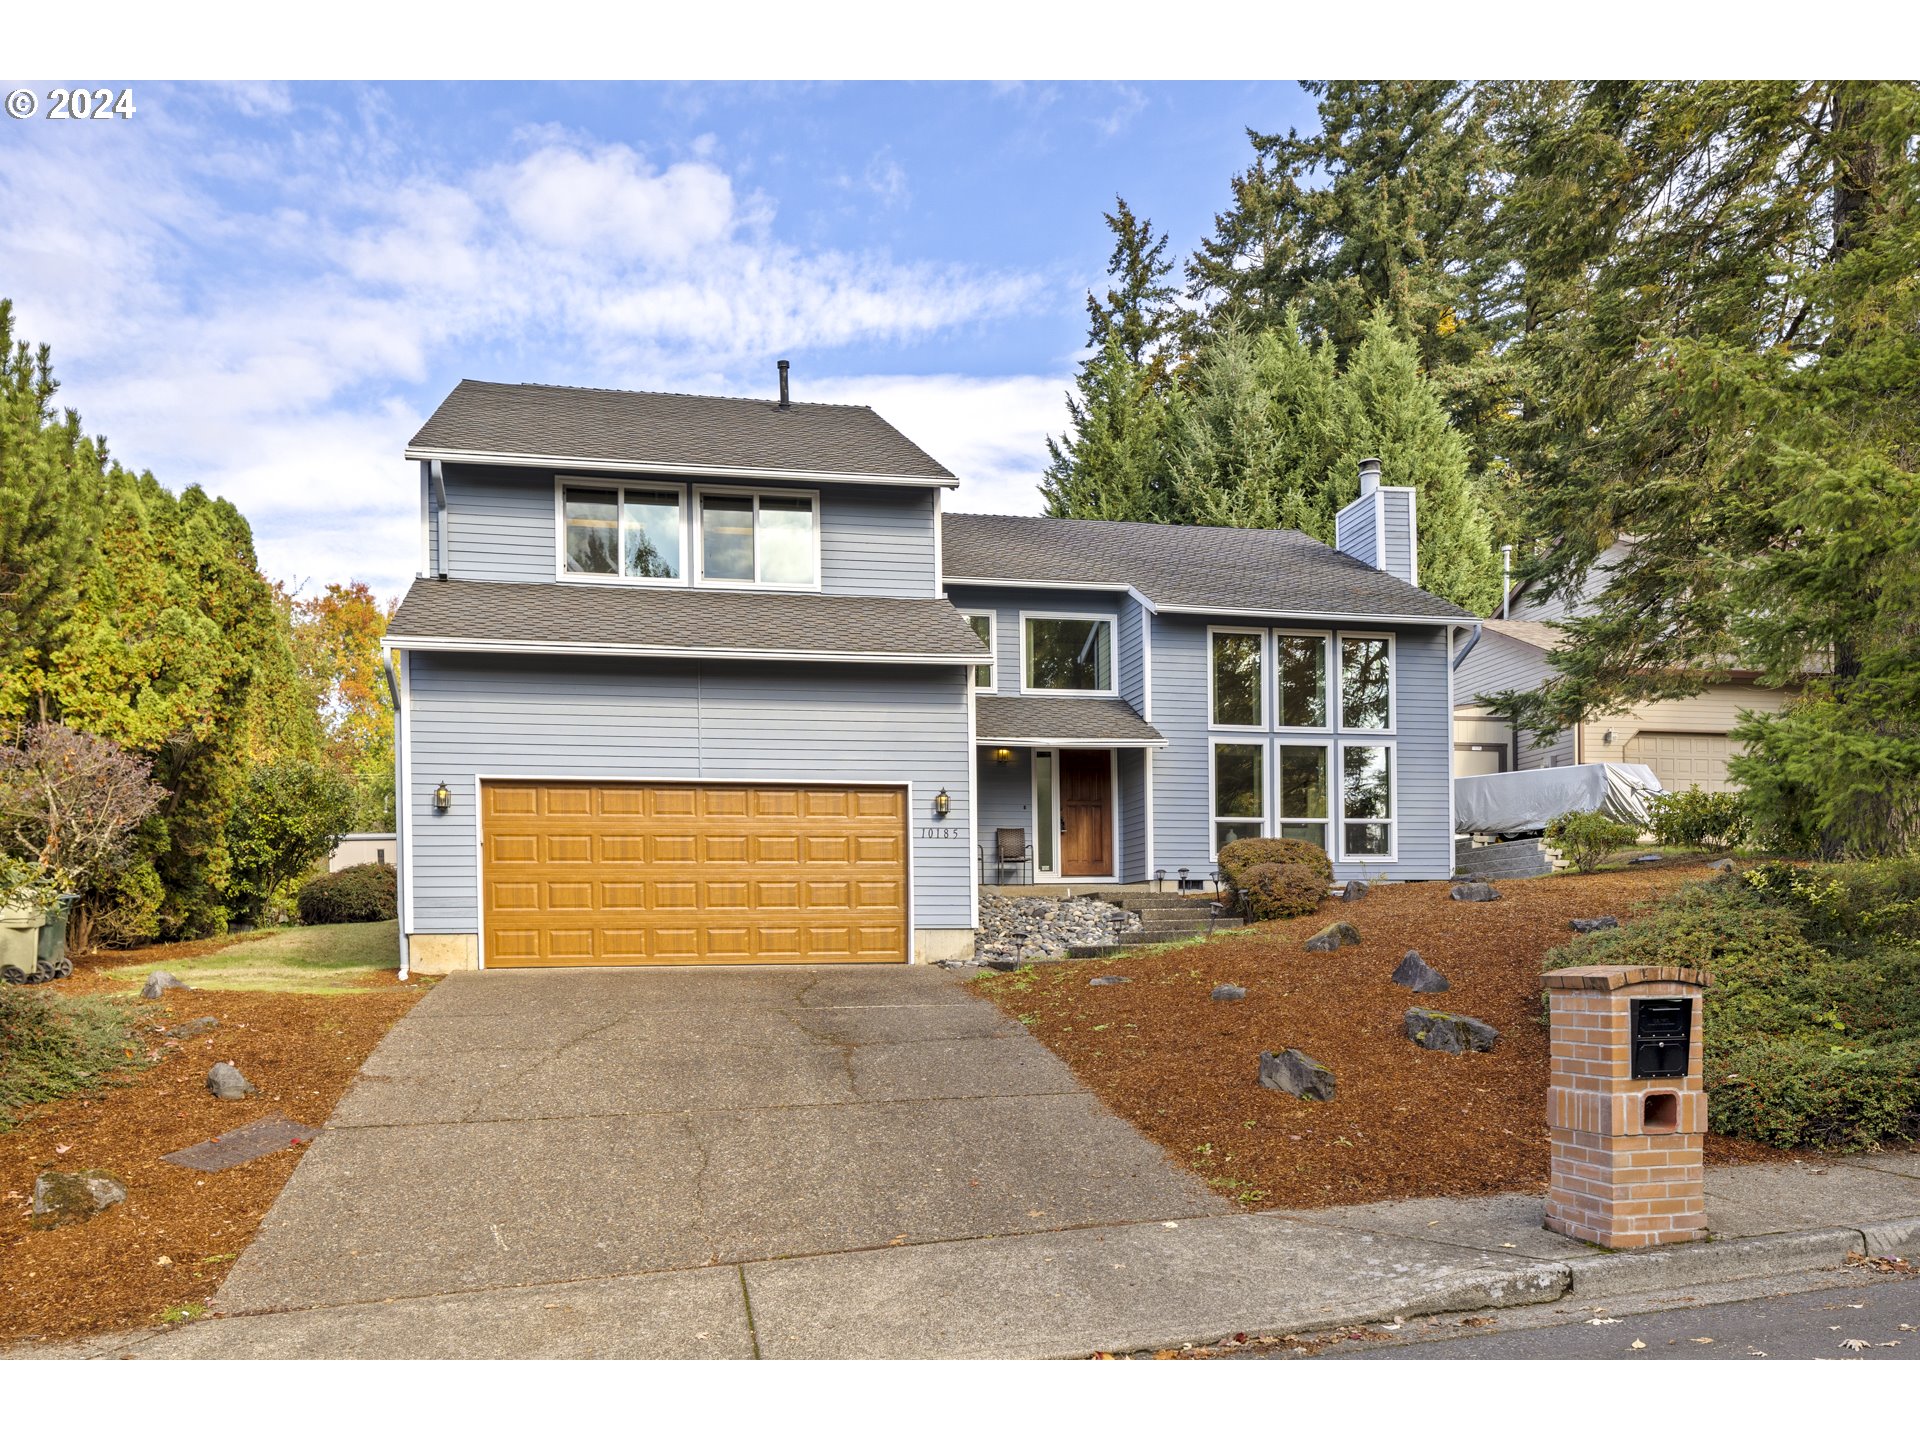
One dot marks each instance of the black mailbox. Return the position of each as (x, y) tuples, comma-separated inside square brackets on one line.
[(1662, 1035)]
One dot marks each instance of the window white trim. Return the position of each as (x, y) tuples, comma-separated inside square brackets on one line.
[(1300, 740), (992, 662), (1058, 875), (1339, 717), (1392, 820), (1328, 700), (561, 483), (698, 540), (1108, 618), (1260, 687), (1214, 818)]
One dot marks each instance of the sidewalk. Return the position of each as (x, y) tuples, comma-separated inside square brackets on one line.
[(1141, 1285)]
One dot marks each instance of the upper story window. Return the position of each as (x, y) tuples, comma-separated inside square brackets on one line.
[(646, 533), (1366, 682), (633, 532), (1236, 684), (982, 622), (1300, 666), (759, 539), (1068, 652)]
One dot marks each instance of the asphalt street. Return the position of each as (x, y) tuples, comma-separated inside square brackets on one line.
[(1868, 1322)]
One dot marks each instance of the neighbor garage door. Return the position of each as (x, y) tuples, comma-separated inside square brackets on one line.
[(594, 874), (1682, 761)]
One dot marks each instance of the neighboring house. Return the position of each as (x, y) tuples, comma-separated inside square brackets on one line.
[(690, 679), (366, 847), (1685, 742)]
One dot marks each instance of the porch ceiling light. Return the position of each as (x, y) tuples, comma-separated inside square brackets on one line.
[(1003, 756), (942, 803), (442, 797)]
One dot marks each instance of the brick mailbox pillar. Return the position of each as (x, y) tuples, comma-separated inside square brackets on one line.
[(1626, 1106)]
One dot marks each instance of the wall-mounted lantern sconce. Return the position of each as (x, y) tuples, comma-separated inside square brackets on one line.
[(442, 797), (942, 803), (1003, 756), (1607, 738)]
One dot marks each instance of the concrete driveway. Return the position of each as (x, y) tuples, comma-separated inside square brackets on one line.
[(650, 1131)]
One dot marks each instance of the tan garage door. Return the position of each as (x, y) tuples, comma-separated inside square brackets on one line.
[(1682, 761), (595, 874)]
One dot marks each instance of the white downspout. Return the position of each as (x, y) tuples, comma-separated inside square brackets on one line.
[(399, 808), (440, 506)]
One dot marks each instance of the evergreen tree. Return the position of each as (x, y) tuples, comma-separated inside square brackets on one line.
[(1109, 464)]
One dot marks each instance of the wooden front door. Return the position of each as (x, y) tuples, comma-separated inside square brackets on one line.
[(1086, 812)]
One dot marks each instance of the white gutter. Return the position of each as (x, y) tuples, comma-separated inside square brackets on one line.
[(1076, 742), (662, 652), (1115, 588), (399, 803), (1231, 612), (664, 467), (440, 516)]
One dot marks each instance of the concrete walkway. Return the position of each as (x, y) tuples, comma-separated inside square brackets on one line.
[(856, 1163)]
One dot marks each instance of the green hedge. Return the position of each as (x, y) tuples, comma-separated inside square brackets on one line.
[(57, 1045), (1812, 1025), (1279, 892), (357, 893), (1240, 856)]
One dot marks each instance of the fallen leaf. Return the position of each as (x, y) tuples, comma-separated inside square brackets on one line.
[(1602, 1320), (1638, 1345), (1853, 1345), (1703, 1339)]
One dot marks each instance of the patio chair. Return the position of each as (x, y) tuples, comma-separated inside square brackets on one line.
[(1012, 852)]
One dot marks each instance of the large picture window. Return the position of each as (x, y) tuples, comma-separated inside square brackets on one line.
[(1069, 652), (1366, 801), (982, 623), (1366, 682), (1303, 794), (759, 539), (1234, 680), (1300, 668), (1239, 792), (622, 532)]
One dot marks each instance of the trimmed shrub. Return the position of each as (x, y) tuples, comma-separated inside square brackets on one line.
[(357, 893), (1278, 892), (1587, 837), (1240, 856), (1699, 819), (1812, 1033)]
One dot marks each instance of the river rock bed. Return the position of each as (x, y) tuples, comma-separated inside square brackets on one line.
[(1050, 923)]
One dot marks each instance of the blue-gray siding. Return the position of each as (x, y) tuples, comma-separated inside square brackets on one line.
[(559, 718), (874, 540), (1131, 863), (1353, 532), (1006, 802), (1398, 556), (1502, 662), (1006, 605), (1423, 759)]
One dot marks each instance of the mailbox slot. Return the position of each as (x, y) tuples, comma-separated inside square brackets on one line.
[(1662, 1037)]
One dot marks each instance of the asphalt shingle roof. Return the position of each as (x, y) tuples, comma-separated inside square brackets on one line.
[(1000, 718), (549, 614), (1191, 567), (669, 432)]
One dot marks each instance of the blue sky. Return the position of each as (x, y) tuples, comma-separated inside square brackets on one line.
[(266, 288)]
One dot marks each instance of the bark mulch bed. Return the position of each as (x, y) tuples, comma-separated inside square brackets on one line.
[(1404, 1122), (164, 1251)]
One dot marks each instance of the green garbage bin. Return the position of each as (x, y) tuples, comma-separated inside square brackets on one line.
[(52, 948), (20, 944)]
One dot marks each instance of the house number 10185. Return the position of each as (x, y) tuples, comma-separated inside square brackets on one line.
[(942, 832)]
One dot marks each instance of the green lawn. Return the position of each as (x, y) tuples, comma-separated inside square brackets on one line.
[(315, 959)]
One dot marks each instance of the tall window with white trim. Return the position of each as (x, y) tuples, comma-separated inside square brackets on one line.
[(1366, 801), (1366, 682), (1303, 794), (1239, 792), (1235, 680), (1300, 669)]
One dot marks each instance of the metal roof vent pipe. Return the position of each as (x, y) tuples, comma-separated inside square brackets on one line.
[(1369, 476), (785, 403)]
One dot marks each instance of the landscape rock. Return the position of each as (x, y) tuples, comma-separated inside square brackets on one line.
[(1417, 975), (61, 1197), (1474, 890), (1108, 980), (1034, 927), (1599, 922), (1296, 1074), (1229, 992), (1002, 965), (1721, 865), (1354, 890), (224, 1082), (193, 1029), (1334, 936), (1647, 859), (158, 983), (1451, 1034)]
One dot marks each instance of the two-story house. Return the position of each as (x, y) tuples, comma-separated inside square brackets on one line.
[(688, 679)]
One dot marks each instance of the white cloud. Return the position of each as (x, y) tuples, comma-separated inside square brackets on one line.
[(251, 313), (990, 431)]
